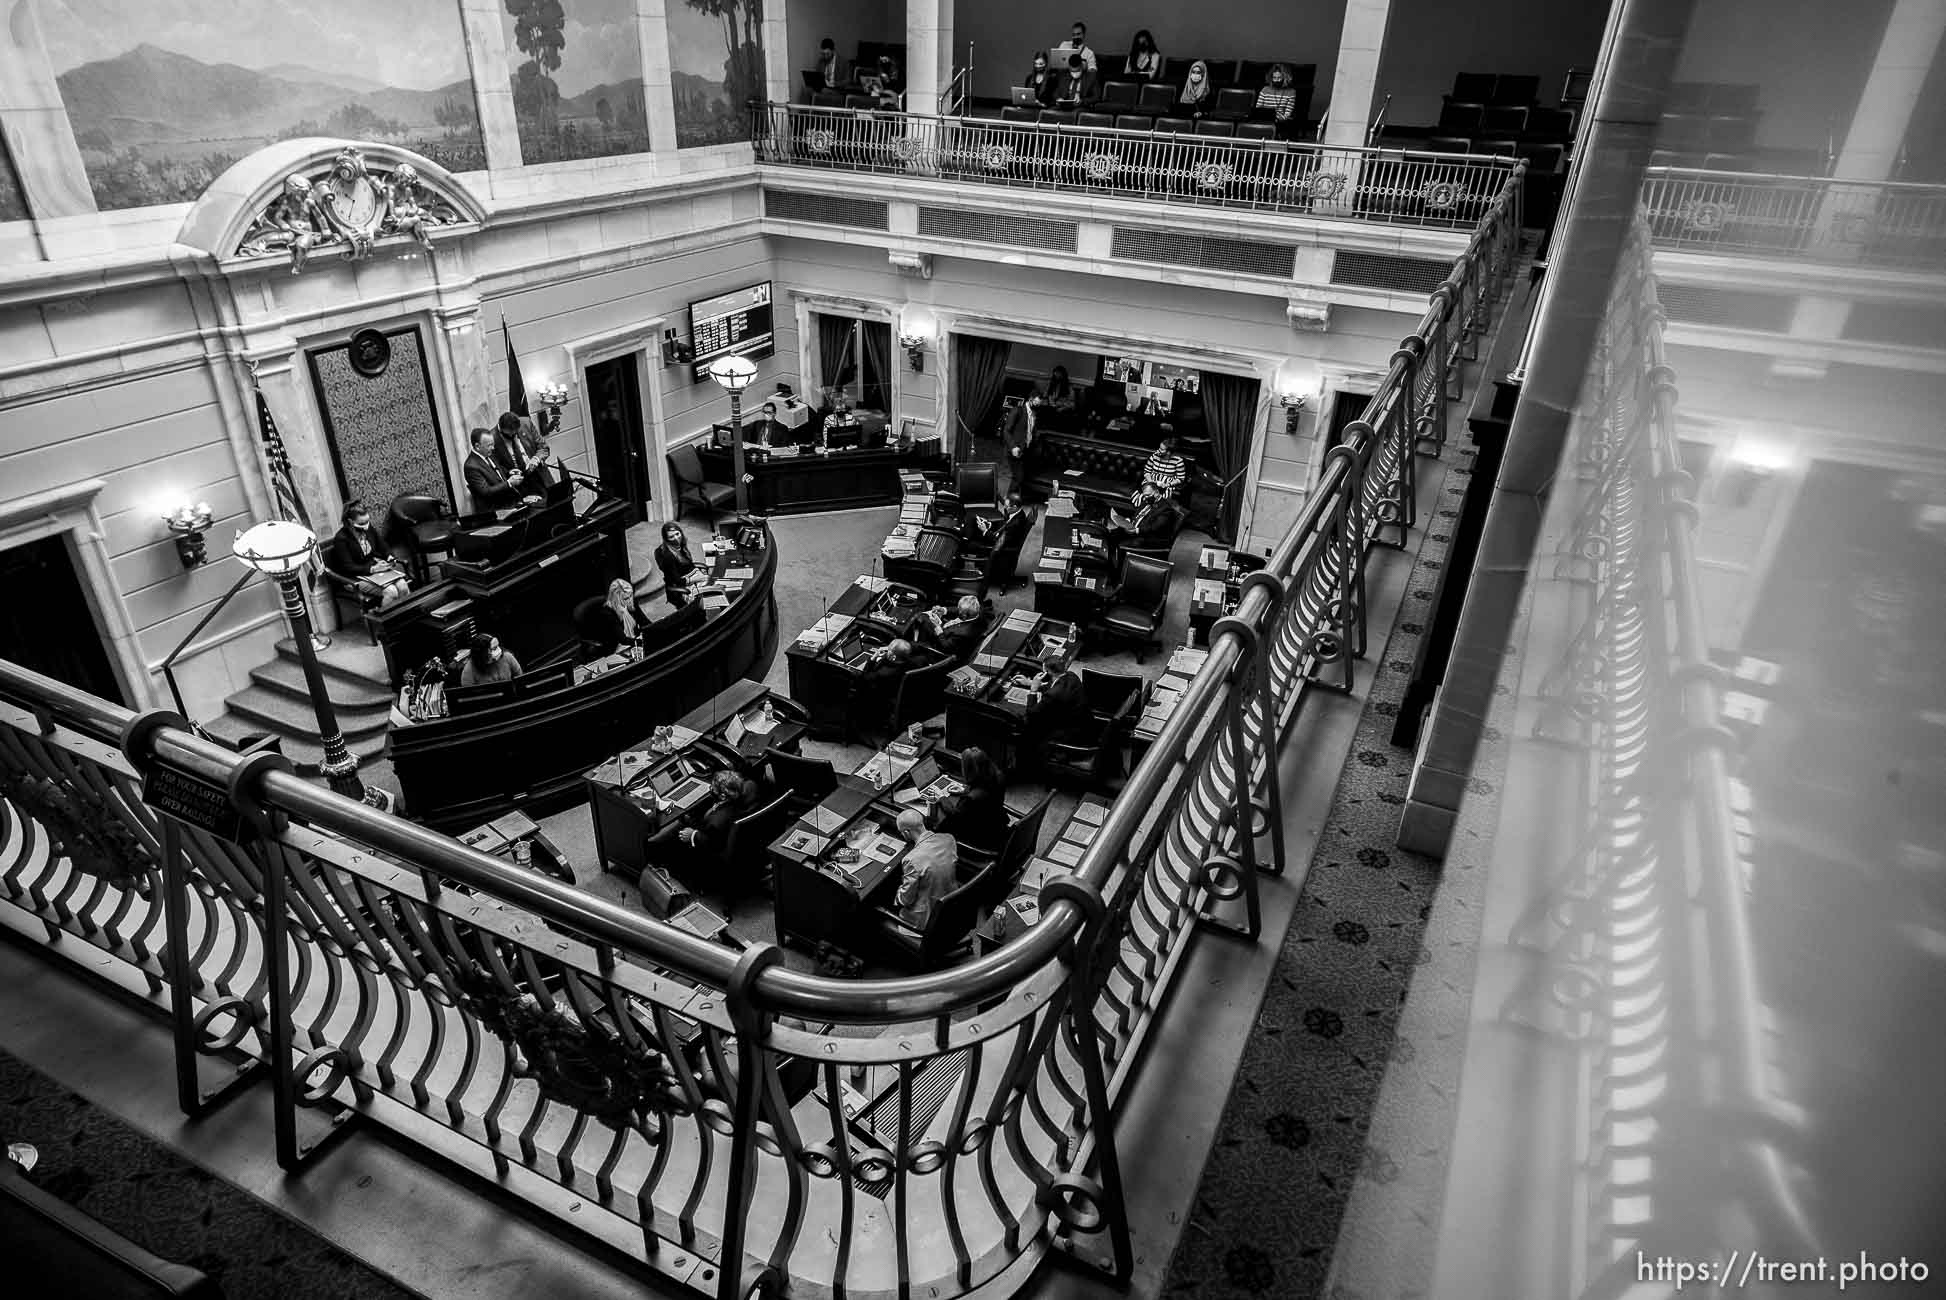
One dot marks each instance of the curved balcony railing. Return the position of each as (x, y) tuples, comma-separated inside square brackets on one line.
[(1871, 223), (737, 1126), (1447, 191)]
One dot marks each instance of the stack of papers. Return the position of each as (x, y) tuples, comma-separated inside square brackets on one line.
[(815, 636), (871, 583), (1017, 695), (884, 768), (1066, 853), (913, 512), (1208, 592), (989, 663), (1187, 660), (1061, 507), (966, 680), (1213, 557), (740, 573), (1020, 618), (1055, 553), (1091, 813)]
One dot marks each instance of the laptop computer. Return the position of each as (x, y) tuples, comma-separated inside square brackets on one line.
[(871, 84), (813, 80), (1024, 97)]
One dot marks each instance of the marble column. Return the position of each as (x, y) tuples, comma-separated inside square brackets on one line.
[(1354, 91), (1870, 154), (928, 54), (34, 123), (777, 52), (485, 25), (280, 375), (658, 81)]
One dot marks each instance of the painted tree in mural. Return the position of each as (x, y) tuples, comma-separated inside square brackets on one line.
[(539, 33), (743, 62)]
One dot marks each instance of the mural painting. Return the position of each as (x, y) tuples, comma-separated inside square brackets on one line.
[(165, 94), (716, 56), (577, 78), (13, 204)]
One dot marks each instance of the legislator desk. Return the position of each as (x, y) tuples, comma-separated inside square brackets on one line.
[(639, 791), (1218, 588), (784, 484), (989, 696), (548, 559), (826, 658), (1072, 579), (845, 854), (531, 752), (1021, 910)]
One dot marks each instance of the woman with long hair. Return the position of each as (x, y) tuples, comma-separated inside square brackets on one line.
[(677, 565), (1278, 97), (1144, 59)]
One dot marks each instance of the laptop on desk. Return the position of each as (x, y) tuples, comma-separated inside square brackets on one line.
[(813, 80)]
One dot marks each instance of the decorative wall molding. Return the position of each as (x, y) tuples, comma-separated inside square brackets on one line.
[(909, 263), (1311, 317)]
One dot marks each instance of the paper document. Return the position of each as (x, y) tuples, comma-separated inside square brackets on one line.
[(1208, 592), (1017, 695), (1066, 853), (740, 573), (1091, 813), (825, 821), (1187, 660), (871, 582), (1056, 553), (1020, 618)]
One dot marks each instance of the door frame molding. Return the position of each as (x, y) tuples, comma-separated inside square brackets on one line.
[(643, 340), (70, 511)]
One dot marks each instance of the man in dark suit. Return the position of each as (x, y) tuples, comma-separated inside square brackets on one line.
[(697, 854), (490, 488), (522, 453), (1060, 715), (958, 636), (1080, 88), (769, 431)]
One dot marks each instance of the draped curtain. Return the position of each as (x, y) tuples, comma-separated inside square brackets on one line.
[(877, 391), (1229, 414), (979, 378), (835, 361)]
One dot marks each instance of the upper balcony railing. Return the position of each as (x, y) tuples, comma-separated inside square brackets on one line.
[(679, 1098), (1442, 191), (1870, 223)]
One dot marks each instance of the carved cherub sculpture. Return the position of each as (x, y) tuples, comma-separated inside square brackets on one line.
[(290, 222), (408, 215)]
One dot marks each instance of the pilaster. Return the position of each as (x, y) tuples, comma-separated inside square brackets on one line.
[(34, 122), (658, 80), (485, 25), (928, 54)]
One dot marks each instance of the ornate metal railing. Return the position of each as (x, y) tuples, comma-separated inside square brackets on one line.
[(1875, 223), (1644, 965), (1449, 191), (737, 1126)]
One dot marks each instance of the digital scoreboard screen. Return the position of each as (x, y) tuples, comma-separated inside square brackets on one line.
[(737, 322)]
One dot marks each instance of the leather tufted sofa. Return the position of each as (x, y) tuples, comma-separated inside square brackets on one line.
[(1052, 453)]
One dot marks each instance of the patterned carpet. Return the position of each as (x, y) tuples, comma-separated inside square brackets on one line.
[(1294, 1136), (161, 1202)]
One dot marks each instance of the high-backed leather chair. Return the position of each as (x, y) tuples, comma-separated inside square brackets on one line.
[(1135, 611), (422, 526)]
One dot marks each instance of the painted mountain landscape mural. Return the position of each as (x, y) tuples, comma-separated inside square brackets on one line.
[(156, 124), (717, 57), (577, 78)]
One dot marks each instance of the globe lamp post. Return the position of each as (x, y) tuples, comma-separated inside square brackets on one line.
[(735, 374)]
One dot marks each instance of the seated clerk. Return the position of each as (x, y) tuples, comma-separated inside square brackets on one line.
[(488, 662), (976, 815), (831, 65), (357, 552), (958, 636), (1155, 517), (931, 868), (702, 846), (522, 454), (619, 619), (769, 431), (883, 668), (1060, 716), (490, 487), (1078, 86), (679, 569), (1041, 79)]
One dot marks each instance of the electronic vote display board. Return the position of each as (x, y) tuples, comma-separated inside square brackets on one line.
[(738, 322)]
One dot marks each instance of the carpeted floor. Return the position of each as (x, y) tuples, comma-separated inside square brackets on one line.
[(818, 556), (1294, 1135), (144, 1191)]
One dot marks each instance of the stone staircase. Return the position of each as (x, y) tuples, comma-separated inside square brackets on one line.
[(277, 702)]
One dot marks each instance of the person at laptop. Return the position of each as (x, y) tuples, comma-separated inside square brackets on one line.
[(931, 868), (1078, 44), (679, 568), (770, 431), (958, 636), (357, 553), (701, 849), (882, 668), (488, 662), (1077, 87), (977, 814), (618, 619), (520, 450), (831, 65), (885, 84), (489, 486), (1041, 81), (1060, 716)]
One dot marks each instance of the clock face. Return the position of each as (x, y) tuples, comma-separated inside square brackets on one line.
[(356, 200)]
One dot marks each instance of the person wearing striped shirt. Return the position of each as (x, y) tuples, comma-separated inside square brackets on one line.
[(1164, 474), (1278, 97)]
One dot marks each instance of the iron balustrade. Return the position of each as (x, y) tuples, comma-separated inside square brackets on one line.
[(697, 1106), (1445, 191), (1872, 223)]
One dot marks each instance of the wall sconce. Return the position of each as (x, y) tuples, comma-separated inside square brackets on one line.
[(1293, 404), (188, 523), (552, 395), (1293, 394), (676, 351), (915, 334)]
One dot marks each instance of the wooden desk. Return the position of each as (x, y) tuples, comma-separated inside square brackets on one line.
[(531, 753), (1022, 644), (1218, 587), (1185, 661), (1072, 579), (1022, 909), (823, 660), (812, 480)]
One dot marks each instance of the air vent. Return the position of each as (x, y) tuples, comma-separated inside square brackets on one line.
[(997, 228), (1912, 325), (1726, 308), (1400, 274), (824, 209), (1231, 256)]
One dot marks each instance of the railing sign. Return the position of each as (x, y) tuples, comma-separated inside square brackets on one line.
[(193, 801)]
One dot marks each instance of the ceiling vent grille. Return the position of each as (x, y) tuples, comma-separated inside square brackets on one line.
[(824, 209), (1378, 271), (975, 227), (1690, 304), (1230, 256)]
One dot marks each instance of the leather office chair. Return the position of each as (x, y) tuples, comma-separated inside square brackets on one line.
[(349, 592), (996, 730), (977, 483), (935, 553), (1235, 103), (1114, 703), (803, 781), (1158, 540), (1134, 613), (748, 852), (942, 942), (592, 631), (692, 487), (922, 694), (1156, 99), (1016, 850), (421, 526)]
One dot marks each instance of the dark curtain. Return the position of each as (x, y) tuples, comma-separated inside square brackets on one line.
[(1229, 412), (835, 361), (876, 392), (979, 379)]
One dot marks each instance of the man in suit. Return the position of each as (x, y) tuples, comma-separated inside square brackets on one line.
[(1079, 88), (1018, 435), (1060, 715), (490, 488), (768, 431), (930, 869), (697, 853), (522, 453), (958, 636)]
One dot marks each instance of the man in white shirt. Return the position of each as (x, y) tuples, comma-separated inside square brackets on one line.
[(1078, 44), (931, 865)]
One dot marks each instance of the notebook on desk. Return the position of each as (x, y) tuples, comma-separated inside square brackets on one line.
[(826, 821)]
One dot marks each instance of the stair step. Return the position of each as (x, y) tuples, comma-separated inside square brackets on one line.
[(305, 754), (287, 715), (286, 677), (349, 657)]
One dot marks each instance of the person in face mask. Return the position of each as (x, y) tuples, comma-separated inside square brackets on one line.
[(488, 662), (1195, 90)]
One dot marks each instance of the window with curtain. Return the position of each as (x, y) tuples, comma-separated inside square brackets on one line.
[(1230, 416), (979, 381), (837, 351), (876, 392)]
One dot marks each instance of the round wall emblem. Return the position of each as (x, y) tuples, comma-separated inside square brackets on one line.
[(998, 157), (1100, 166), (1706, 217), (1327, 185), (1214, 175), (371, 352), (820, 140), (1439, 194)]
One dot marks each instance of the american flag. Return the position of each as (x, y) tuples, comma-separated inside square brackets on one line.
[(289, 505)]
